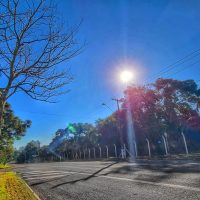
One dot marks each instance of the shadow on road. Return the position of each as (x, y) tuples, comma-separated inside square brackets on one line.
[(86, 178), (83, 179), (156, 172), (161, 167)]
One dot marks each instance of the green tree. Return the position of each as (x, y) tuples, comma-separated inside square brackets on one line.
[(77, 136), (29, 153), (169, 106), (13, 129)]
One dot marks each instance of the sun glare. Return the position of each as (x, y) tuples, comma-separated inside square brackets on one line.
[(126, 76)]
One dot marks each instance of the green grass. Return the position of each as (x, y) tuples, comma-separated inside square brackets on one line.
[(12, 187)]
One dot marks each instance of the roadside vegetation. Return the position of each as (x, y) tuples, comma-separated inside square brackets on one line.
[(5, 166), (13, 187), (14, 128)]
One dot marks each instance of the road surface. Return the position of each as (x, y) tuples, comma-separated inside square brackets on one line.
[(108, 180)]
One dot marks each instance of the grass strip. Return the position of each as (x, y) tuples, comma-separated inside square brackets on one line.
[(5, 166), (12, 187)]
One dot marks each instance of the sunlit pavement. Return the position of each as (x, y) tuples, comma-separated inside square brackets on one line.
[(114, 180)]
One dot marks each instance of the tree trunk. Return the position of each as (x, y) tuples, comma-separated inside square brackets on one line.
[(2, 107)]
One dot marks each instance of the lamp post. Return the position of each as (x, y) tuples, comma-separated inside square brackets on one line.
[(104, 104), (120, 127), (119, 122)]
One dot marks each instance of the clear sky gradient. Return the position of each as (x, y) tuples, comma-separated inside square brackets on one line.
[(143, 36)]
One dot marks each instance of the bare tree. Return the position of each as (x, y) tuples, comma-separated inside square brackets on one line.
[(33, 44)]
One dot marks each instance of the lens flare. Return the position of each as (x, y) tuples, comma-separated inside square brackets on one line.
[(131, 134)]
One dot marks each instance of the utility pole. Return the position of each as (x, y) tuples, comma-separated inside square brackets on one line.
[(118, 101), (120, 128)]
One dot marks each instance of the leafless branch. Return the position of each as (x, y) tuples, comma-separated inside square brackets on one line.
[(33, 44)]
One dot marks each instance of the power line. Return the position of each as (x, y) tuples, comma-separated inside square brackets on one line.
[(172, 66), (191, 65), (166, 69)]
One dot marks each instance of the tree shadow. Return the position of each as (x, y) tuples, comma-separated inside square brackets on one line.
[(162, 171), (83, 179), (86, 178), (157, 173)]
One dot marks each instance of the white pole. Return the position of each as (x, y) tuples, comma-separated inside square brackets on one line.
[(89, 153), (84, 153), (166, 139), (115, 151), (136, 152), (124, 151), (165, 145), (185, 143), (100, 152), (94, 153), (80, 154), (148, 144), (107, 151)]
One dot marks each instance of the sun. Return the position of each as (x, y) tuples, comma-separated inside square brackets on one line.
[(126, 76)]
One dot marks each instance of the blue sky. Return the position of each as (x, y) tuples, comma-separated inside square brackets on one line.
[(143, 36)]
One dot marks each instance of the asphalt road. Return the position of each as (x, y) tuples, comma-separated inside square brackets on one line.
[(108, 180)]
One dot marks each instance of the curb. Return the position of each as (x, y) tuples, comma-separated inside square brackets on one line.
[(36, 196)]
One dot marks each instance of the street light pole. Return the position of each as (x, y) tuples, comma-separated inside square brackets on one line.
[(119, 122), (104, 104), (120, 127)]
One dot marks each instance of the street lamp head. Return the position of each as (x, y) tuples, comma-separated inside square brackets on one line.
[(126, 76)]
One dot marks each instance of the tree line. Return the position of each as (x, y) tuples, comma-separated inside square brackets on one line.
[(167, 107)]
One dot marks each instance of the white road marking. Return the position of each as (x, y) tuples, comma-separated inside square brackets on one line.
[(153, 183), (31, 172), (145, 182), (54, 174), (47, 177), (44, 175), (41, 172)]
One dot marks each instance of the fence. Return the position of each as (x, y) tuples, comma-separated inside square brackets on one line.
[(114, 151)]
